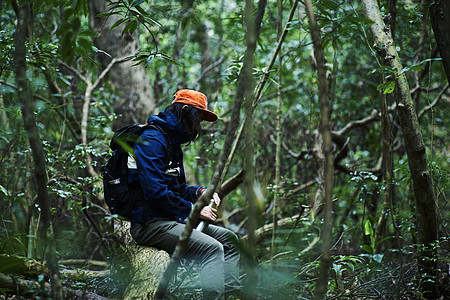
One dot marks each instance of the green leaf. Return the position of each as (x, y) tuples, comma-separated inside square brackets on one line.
[(85, 43), (137, 2), (144, 16), (368, 230), (149, 60), (337, 268), (131, 27), (378, 257), (332, 5), (417, 68), (125, 146), (389, 88), (349, 265), (357, 20), (107, 14), (142, 11), (382, 69), (117, 23), (168, 58), (367, 248)]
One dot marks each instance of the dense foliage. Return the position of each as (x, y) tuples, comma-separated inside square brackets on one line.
[(200, 45)]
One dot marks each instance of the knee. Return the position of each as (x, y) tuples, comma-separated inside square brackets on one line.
[(216, 249), (232, 237), (214, 253), (231, 240)]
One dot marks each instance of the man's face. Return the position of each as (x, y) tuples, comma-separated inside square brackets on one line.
[(198, 126)]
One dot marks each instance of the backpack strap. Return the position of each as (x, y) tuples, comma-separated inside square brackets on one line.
[(126, 136), (169, 151)]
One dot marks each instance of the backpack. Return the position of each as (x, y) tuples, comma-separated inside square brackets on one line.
[(122, 195)]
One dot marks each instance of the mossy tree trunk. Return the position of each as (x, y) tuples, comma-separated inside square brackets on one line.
[(137, 100), (415, 148)]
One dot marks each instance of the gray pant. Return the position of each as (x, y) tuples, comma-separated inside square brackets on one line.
[(215, 249)]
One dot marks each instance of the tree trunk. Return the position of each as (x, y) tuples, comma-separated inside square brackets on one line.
[(250, 264), (440, 20), (147, 263), (26, 100), (415, 149), (137, 100), (220, 166), (325, 131), (387, 174), (278, 130)]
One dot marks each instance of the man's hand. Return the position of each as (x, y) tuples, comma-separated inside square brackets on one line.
[(216, 199), (209, 213)]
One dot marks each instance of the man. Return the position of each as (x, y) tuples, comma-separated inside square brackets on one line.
[(168, 200)]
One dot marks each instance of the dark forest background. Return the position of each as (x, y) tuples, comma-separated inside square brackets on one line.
[(73, 72)]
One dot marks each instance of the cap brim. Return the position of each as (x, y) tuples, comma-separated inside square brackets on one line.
[(209, 115)]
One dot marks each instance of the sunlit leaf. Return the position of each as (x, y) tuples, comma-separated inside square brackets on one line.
[(4, 190)]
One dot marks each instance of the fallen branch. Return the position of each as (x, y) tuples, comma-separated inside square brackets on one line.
[(82, 274), (268, 228), (23, 287), (13, 264), (84, 262), (19, 286)]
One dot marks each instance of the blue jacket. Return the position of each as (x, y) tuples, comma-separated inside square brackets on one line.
[(160, 172)]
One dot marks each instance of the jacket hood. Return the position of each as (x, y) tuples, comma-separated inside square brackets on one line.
[(170, 123)]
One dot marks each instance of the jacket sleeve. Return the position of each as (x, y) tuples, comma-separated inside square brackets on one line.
[(190, 192), (151, 162)]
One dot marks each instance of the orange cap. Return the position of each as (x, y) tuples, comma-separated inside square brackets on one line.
[(197, 100)]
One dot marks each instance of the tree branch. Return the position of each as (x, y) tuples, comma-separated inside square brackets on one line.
[(374, 116), (432, 104), (209, 68), (73, 70), (263, 80), (231, 184)]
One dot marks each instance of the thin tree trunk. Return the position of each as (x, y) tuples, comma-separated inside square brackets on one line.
[(440, 20), (415, 149), (278, 132), (249, 166), (325, 261), (393, 12), (387, 174), (3, 116), (420, 52), (26, 99), (263, 80), (180, 249)]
